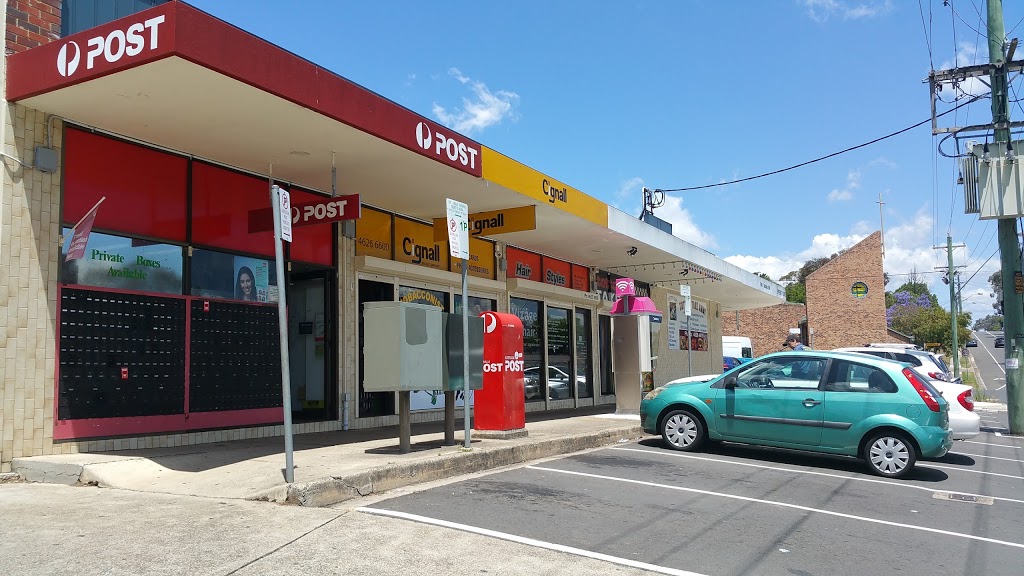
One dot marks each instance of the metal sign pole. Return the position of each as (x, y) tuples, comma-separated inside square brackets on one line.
[(282, 313), (689, 344), (465, 348)]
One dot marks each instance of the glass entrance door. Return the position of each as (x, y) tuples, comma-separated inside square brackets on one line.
[(310, 348)]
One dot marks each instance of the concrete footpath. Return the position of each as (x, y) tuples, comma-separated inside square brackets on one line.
[(330, 467)]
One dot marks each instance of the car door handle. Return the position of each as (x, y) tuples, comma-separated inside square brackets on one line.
[(811, 402)]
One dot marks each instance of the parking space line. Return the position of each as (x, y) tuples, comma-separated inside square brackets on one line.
[(990, 444), (783, 505), (986, 457), (933, 465), (813, 473), (528, 541)]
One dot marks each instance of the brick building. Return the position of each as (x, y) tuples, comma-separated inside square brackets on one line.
[(846, 298), (845, 306)]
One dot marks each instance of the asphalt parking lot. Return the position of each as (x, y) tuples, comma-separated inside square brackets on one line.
[(735, 509)]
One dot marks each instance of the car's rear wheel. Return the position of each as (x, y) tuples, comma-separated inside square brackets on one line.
[(682, 430), (890, 454)]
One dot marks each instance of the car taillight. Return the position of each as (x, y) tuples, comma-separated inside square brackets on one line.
[(966, 399), (937, 376), (929, 400)]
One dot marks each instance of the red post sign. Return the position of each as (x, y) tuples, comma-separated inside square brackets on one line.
[(323, 211), (501, 404)]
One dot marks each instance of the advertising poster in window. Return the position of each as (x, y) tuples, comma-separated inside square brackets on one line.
[(682, 337), (124, 263), (220, 275), (252, 279)]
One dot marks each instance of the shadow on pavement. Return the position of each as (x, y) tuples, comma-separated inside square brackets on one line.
[(201, 457), (767, 455)]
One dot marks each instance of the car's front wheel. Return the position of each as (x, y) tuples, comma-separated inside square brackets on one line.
[(682, 430), (890, 454)]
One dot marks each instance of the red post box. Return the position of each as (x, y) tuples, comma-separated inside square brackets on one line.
[(501, 404)]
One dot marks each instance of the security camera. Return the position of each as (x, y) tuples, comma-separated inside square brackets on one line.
[(631, 251)]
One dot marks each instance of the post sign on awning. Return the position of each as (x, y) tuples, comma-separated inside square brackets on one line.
[(323, 211), (493, 222)]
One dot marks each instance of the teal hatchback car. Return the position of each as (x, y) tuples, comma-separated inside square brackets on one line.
[(828, 402)]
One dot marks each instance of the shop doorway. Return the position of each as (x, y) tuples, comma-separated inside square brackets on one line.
[(373, 403), (311, 347)]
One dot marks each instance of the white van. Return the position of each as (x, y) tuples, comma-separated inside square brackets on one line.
[(737, 347)]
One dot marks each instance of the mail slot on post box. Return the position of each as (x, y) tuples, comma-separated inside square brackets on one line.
[(501, 404)]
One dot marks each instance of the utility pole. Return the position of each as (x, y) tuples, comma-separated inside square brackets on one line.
[(1009, 247), (950, 274), (953, 319), (881, 221), (959, 295)]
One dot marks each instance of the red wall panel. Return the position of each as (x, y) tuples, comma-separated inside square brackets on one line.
[(311, 244), (580, 278), (523, 264), (557, 272), (221, 201), (146, 189)]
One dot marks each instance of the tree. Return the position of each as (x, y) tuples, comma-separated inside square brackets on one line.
[(996, 280), (796, 292), (811, 266), (992, 322), (921, 317), (918, 288), (763, 275)]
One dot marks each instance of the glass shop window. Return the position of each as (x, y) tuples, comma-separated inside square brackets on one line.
[(124, 264), (232, 277)]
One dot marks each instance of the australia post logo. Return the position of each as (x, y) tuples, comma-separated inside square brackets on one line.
[(513, 363), (439, 145), (111, 48)]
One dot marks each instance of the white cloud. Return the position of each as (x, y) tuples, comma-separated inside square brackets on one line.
[(483, 109), (967, 54), (822, 10), (773, 266), (629, 190), (839, 195), (776, 266), (682, 222)]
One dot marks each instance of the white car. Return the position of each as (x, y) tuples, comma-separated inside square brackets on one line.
[(963, 421), (929, 364)]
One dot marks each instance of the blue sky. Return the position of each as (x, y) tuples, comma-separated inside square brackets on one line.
[(611, 96)]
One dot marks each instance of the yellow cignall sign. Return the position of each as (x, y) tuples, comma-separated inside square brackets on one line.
[(516, 176), (414, 244), (493, 222), (481, 260), (373, 234)]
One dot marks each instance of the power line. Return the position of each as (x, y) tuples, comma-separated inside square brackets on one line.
[(927, 38), (832, 155), (965, 21)]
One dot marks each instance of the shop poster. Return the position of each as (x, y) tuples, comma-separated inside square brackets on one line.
[(252, 279), (687, 337)]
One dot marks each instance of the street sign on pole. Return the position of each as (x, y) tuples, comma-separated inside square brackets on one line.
[(458, 244), (458, 228), (279, 202), (687, 310), (284, 214)]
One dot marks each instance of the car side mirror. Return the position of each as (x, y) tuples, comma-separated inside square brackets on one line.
[(729, 383)]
